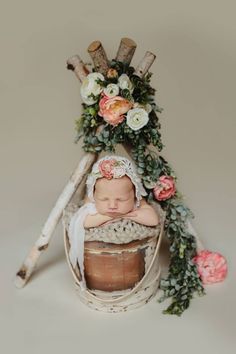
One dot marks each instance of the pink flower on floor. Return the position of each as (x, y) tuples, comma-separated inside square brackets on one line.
[(113, 109), (211, 266), (106, 168), (165, 188)]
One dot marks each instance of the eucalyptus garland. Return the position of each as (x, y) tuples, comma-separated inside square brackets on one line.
[(137, 126)]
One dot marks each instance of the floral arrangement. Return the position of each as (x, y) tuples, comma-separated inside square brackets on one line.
[(111, 169), (119, 108)]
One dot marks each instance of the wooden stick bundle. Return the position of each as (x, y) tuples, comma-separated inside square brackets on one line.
[(145, 64), (126, 50), (99, 57), (75, 64)]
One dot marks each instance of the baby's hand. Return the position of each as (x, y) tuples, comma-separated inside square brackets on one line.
[(130, 214), (112, 220), (144, 216)]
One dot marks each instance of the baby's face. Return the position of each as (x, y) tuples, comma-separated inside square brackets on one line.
[(115, 196)]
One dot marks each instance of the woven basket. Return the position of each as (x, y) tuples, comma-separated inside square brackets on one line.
[(123, 273)]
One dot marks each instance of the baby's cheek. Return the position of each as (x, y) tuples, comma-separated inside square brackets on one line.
[(128, 206), (99, 207)]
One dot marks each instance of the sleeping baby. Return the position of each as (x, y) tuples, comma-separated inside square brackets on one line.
[(114, 192)]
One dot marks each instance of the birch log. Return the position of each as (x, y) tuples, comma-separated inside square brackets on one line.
[(75, 64), (99, 57), (126, 50), (42, 243), (145, 64)]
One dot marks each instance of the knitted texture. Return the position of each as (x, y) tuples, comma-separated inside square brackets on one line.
[(121, 231)]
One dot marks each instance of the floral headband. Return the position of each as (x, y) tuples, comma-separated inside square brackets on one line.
[(114, 167)]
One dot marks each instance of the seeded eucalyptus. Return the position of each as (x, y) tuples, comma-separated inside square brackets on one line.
[(145, 145)]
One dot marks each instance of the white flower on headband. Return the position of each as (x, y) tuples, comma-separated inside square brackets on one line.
[(118, 172), (111, 168)]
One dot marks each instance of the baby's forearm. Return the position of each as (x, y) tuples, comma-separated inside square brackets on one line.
[(145, 216), (96, 220)]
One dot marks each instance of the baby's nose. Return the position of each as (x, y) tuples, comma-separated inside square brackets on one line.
[(113, 204)]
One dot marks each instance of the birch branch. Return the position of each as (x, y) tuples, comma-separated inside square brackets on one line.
[(99, 57), (77, 65), (145, 64), (42, 243), (126, 50)]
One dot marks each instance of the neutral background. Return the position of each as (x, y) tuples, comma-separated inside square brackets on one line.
[(194, 75)]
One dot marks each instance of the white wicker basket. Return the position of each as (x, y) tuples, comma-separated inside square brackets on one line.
[(137, 295)]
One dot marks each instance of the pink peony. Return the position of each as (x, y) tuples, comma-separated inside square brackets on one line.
[(211, 266), (165, 188), (112, 109), (106, 168)]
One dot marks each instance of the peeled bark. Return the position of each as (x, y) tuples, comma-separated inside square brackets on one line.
[(42, 243), (99, 57), (77, 65), (126, 50), (145, 64)]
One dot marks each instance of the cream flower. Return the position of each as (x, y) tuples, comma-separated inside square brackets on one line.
[(125, 83), (147, 106), (137, 118), (90, 86), (111, 90)]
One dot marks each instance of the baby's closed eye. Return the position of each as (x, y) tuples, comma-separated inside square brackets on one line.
[(118, 199)]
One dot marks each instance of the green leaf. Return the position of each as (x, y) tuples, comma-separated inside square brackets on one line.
[(140, 170)]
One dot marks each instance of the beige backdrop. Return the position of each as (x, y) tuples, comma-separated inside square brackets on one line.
[(194, 75)]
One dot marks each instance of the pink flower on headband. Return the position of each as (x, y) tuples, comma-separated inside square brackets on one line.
[(211, 266), (106, 168), (111, 169)]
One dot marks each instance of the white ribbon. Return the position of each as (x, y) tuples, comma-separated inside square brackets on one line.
[(76, 235), (193, 232)]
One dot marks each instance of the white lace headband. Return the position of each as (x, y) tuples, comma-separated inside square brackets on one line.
[(113, 166)]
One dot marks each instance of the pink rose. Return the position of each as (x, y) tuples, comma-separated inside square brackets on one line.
[(165, 188), (112, 109), (211, 266), (106, 168)]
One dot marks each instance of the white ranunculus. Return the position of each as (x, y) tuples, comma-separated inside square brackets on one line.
[(125, 83), (111, 90), (137, 118), (90, 86), (147, 107)]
